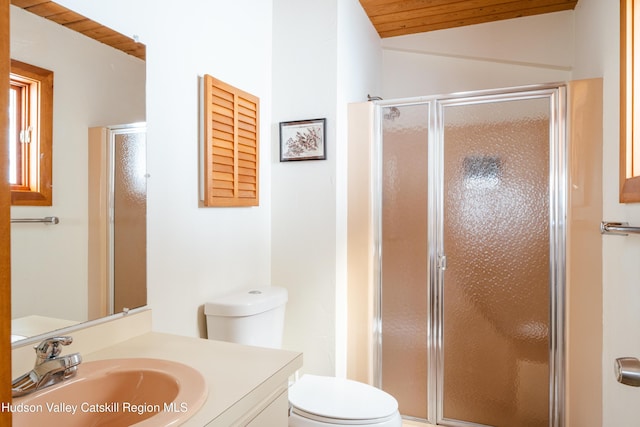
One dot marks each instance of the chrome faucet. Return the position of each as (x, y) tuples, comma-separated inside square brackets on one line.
[(50, 368)]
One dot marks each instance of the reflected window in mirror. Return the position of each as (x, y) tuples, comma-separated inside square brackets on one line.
[(31, 134)]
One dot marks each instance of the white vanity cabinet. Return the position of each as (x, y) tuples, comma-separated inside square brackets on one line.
[(260, 410), (276, 413), (249, 389)]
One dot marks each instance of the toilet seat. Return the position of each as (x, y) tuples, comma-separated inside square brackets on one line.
[(341, 401)]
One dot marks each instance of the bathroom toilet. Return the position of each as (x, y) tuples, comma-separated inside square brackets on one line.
[(256, 317), (327, 401)]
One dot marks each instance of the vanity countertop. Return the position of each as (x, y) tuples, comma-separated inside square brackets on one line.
[(238, 377), (29, 326)]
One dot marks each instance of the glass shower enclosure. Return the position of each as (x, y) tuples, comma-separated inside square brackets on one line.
[(470, 256)]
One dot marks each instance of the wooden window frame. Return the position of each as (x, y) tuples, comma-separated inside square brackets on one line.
[(36, 188)]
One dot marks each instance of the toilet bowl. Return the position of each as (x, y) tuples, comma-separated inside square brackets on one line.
[(256, 317)]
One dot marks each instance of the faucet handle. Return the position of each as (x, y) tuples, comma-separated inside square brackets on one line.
[(50, 347)]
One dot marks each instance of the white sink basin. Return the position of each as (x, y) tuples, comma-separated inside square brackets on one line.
[(117, 392)]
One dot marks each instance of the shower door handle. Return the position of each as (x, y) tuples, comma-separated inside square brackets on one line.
[(442, 262)]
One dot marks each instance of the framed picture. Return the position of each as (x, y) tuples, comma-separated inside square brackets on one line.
[(303, 140)]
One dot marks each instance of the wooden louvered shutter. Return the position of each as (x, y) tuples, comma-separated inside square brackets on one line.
[(231, 145)]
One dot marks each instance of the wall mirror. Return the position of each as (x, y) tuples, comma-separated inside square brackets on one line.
[(96, 86), (629, 111)]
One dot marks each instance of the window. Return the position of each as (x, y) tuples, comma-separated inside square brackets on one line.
[(30, 134), (629, 140)]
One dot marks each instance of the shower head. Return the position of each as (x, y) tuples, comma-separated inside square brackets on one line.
[(391, 113)]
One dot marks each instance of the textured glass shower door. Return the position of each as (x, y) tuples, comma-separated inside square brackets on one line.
[(404, 271), (472, 258), (495, 292), (129, 211)]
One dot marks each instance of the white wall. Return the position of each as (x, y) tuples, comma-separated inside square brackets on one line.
[(195, 253), (94, 85), (325, 55), (198, 253), (523, 51), (303, 210), (359, 75), (597, 54)]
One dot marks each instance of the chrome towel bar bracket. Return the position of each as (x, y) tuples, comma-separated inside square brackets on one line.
[(618, 228)]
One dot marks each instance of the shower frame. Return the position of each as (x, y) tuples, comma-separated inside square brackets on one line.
[(558, 178)]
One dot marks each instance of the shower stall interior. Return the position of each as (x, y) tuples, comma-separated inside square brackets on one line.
[(469, 217)]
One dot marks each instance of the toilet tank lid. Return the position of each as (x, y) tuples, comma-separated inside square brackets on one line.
[(247, 302)]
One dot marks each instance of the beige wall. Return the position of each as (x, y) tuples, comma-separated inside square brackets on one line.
[(584, 256), (360, 274)]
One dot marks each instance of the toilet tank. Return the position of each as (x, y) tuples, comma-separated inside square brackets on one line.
[(251, 317)]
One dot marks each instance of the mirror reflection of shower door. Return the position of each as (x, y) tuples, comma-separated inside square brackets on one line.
[(129, 225), (472, 258), (117, 219)]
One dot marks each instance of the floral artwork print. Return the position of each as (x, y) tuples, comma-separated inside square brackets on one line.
[(302, 140), (307, 140)]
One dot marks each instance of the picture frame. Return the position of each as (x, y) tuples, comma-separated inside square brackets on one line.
[(303, 140)]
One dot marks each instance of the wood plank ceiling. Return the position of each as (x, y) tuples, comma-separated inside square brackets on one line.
[(400, 17), (76, 22)]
